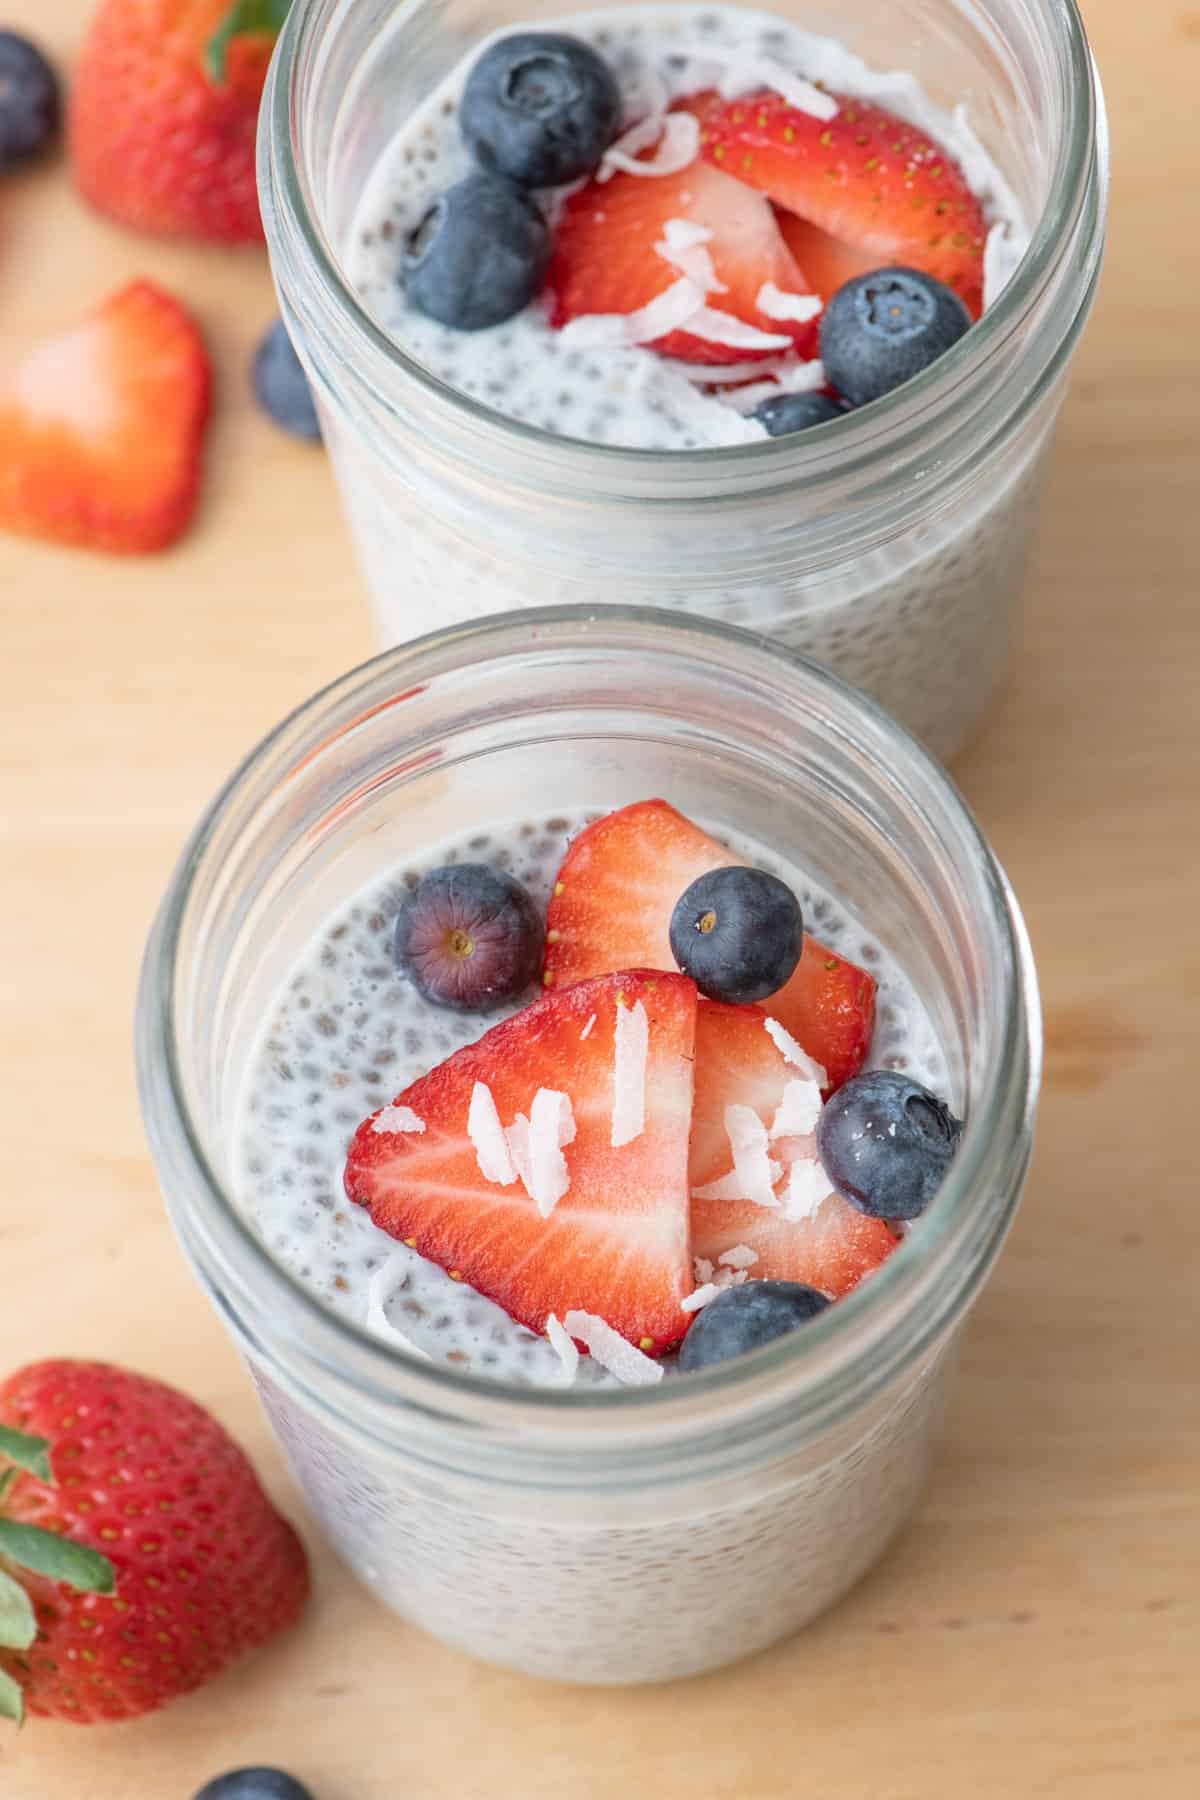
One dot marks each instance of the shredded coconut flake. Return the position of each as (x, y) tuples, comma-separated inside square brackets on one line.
[(678, 139), (702, 1269), (675, 306), (725, 1187), (741, 1256), (563, 1344), (791, 378), (612, 1351), (774, 303), (700, 1297), (396, 1118), (683, 246), (487, 1135), (517, 1139), (717, 327), (629, 1074), (798, 1111), (808, 1187), (551, 1125), (756, 1172), (791, 1052), (586, 1033), (744, 73), (386, 1281)]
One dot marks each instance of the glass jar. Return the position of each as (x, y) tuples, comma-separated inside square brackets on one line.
[(607, 1536), (895, 560)]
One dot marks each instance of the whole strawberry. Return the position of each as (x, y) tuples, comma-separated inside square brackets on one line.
[(139, 1554), (163, 114)]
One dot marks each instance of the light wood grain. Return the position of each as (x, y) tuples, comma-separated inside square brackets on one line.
[(1037, 1631)]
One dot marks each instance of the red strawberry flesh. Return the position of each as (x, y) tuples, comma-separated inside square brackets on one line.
[(605, 258), (738, 1063), (866, 177), (612, 906), (617, 1242)]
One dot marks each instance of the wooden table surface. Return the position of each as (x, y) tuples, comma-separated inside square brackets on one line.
[(1037, 1631)]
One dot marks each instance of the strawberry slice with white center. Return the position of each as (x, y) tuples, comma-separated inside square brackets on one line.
[(611, 909), (607, 260), (865, 176), (739, 1064), (616, 1242)]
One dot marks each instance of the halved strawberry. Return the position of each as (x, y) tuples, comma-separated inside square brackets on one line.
[(612, 906), (865, 176), (101, 427), (605, 260), (738, 1063), (617, 1242)]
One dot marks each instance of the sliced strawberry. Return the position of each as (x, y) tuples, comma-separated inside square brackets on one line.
[(737, 1063), (101, 427), (865, 176), (828, 262), (605, 259), (612, 906), (617, 1242)]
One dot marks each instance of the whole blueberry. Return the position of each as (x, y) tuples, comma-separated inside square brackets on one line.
[(29, 101), (282, 386), (880, 330), (738, 934), (540, 107), (886, 1143), (785, 413), (469, 938), (254, 1784), (478, 256), (743, 1318)]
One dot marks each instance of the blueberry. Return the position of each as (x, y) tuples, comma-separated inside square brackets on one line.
[(29, 101), (254, 1784), (479, 254), (541, 107), (880, 330), (743, 1318), (785, 413), (886, 1142), (469, 937), (737, 933), (282, 386)]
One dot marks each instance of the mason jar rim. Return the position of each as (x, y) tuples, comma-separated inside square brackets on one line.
[(840, 1358), (869, 434)]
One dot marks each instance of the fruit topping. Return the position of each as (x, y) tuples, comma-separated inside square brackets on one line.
[(101, 427), (882, 329), (744, 1318), (479, 254), (738, 933), (755, 1180), (540, 107), (612, 907), (469, 938), (864, 176), (163, 114), (625, 261), (281, 386), (886, 1143), (787, 413), (29, 101), (142, 1539), (254, 1784), (615, 1241)]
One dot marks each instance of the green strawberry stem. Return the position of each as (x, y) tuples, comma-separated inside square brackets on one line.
[(29, 1453), (12, 1700), (259, 18), (42, 1553)]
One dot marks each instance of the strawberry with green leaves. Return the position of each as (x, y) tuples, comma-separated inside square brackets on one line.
[(163, 114), (139, 1555)]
